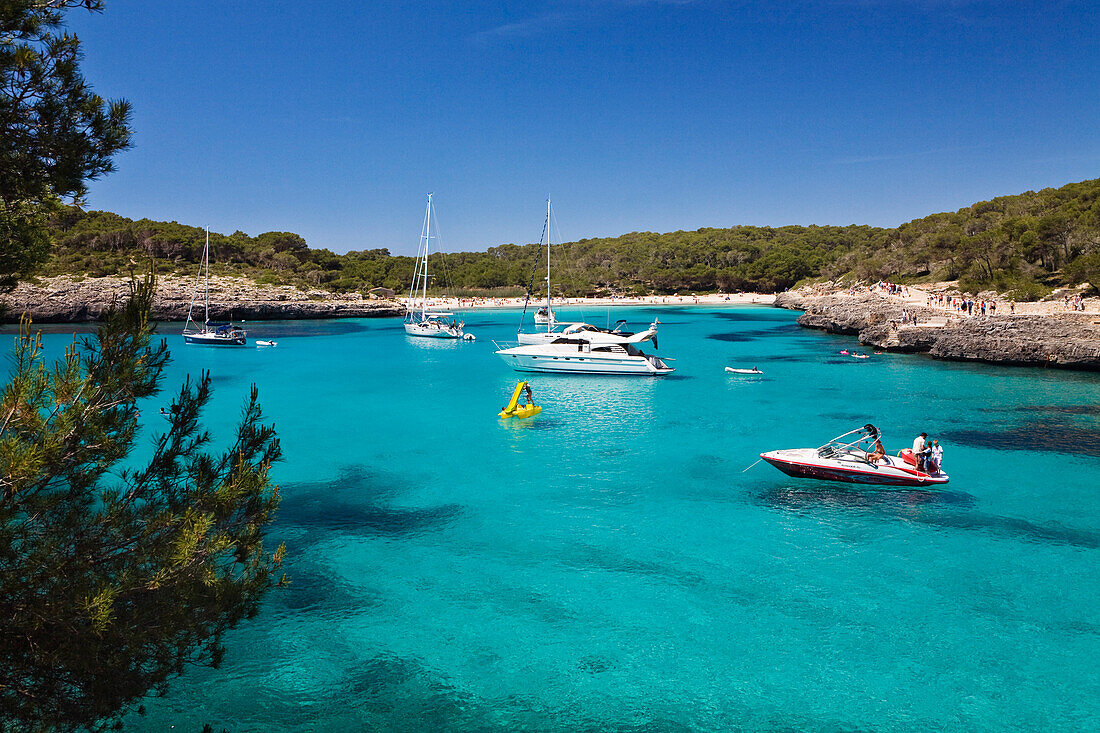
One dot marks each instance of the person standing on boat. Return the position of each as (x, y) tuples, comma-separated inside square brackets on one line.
[(936, 456), (918, 451)]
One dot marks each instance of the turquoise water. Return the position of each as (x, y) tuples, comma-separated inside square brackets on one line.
[(608, 565)]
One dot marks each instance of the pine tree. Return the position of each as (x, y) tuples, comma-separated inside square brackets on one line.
[(113, 580), (55, 132)]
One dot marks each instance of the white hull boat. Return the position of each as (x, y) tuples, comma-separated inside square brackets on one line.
[(850, 461), (433, 326), (544, 315), (420, 321), (576, 356), (210, 333), (592, 334), (217, 335)]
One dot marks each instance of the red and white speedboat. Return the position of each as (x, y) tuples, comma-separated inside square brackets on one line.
[(847, 458)]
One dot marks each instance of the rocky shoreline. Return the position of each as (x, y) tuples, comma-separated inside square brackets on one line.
[(64, 299), (1062, 340)]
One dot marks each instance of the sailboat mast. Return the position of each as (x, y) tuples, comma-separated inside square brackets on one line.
[(427, 245), (549, 308), (206, 258)]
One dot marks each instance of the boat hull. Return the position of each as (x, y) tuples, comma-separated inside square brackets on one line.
[(522, 411), (208, 339), (803, 463), (582, 365), (432, 331)]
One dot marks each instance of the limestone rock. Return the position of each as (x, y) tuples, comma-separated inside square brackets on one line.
[(65, 299), (1070, 340)]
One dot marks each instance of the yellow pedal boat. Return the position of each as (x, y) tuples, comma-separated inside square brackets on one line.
[(527, 409)]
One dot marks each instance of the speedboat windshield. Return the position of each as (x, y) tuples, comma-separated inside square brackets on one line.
[(860, 439)]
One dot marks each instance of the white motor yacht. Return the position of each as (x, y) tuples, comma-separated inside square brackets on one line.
[(579, 356), (593, 334)]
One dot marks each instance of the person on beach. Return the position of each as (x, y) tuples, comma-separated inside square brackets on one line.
[(918, 450), (936, 456)]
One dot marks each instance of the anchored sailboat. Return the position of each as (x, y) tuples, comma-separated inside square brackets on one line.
[(554, 330), (544, 316), (432, 324), (210, 333)]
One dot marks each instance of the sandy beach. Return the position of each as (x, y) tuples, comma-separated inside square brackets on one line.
[(661, 300)]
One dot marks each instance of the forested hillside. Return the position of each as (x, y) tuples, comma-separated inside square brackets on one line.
[(1022, 244), (1025, 244)]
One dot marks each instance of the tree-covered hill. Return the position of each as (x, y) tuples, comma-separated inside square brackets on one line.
[(1022, 244), (1026, 243)]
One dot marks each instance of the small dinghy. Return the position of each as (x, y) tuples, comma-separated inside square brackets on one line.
[(265, 343), (856, 457), (754, 370)]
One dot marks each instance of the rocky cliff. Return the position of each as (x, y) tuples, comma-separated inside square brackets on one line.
[(1069, 340), (64, 299)]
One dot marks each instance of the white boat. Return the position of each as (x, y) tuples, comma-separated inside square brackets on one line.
[(579, 356), (265, 343), (210, 333), (544, 315), (592, 334), (426, 322), (754, 370), (848, 458)]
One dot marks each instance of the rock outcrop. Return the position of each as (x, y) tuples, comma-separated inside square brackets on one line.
[(1069, 341), (64, 299)]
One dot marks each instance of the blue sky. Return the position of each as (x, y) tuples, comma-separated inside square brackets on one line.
[(335, 119)]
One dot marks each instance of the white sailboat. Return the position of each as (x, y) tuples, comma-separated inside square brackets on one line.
[(210, 333), (428, 323), (544, 316), (554, 330)]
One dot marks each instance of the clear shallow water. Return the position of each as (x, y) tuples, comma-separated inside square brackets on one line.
[(607, 565)]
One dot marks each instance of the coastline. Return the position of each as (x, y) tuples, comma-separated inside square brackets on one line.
[(632, 300), (66, 299), (1036, 334)]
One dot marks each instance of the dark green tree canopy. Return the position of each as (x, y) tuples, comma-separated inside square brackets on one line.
[(55, 132), (113, 580)]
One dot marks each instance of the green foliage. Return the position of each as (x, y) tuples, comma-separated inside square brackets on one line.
[(1019, 241), (742, 258), (1008, 243), (55, 133), (111, 581), (24, 238), (1085, 269)]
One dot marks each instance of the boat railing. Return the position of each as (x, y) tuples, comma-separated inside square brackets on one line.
[(502, 345)]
